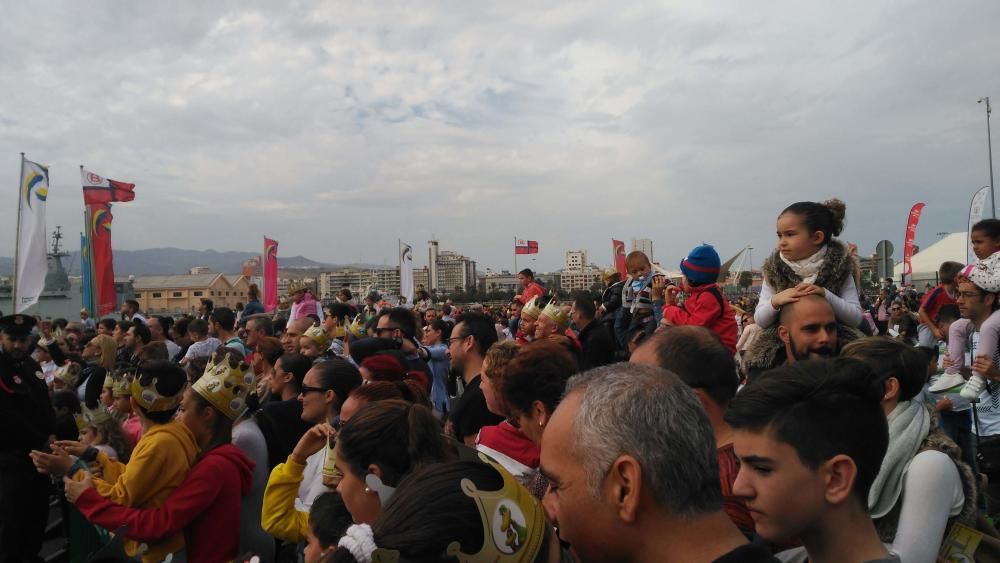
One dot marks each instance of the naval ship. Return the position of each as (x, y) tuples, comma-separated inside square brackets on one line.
[(57, 284)]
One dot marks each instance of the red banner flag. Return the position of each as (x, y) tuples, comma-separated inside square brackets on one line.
[(526, 247), (619, 253), (270, 274), (102, 259), (97, 190), (911, 233)]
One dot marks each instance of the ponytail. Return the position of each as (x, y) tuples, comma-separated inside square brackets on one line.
[(828, 217)]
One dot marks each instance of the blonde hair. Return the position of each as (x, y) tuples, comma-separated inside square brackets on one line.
[(108, 348)]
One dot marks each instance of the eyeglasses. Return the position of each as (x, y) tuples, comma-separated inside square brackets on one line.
[(454, 338), (307, 389), (969, 294), (379, 331)]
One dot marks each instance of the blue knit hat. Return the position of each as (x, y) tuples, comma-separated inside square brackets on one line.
[(701, 265)]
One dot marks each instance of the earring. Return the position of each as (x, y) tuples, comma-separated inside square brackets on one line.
[(368, 490)]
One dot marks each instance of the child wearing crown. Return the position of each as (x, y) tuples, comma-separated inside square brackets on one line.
[(158, 464), (207, 505)]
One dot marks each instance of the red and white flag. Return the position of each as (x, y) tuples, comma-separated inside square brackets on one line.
[(525, 246), (98, 190)]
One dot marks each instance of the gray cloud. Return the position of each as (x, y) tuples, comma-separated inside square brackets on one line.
[(338, 127)]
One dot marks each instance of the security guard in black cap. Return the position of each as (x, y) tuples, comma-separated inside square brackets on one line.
[(26, 423)]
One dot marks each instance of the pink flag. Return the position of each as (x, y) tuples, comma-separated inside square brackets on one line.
[(270, 274), (911, 233)]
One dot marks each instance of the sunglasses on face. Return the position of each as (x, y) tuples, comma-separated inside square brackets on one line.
[(307, 389)]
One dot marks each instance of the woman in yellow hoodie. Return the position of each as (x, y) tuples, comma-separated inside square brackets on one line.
[(159, 462)]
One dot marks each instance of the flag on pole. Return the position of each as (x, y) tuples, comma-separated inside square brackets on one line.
[(270, 274), (97, 190), (619, 253), (911, 233), (405, 274), (526, 247), (975, 216), (102, 259), (85, 267), (31, 261)]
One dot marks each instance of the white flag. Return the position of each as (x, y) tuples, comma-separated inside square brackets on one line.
[(975, 216), (405, 274), (32, 247)]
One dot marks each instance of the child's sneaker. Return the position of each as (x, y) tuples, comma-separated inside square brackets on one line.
[(947, 381), (974, 387)]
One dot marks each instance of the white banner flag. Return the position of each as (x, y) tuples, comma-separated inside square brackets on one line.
[(405, 274), (975, 216), (32, 246)]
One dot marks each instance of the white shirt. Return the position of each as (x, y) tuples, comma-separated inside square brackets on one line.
[(846, 306)]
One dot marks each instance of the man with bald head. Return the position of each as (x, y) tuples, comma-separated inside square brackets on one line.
[(294, 329), (807, 329)]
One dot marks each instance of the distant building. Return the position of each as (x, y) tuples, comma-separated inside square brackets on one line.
[(576, 259), (645, 245), (360, 282), (455, 272), (197, 270), (183, 293)]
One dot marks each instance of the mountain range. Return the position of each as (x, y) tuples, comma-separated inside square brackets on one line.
[(167, 261)]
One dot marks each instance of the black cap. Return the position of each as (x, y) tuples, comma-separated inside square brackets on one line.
[(17, 325)]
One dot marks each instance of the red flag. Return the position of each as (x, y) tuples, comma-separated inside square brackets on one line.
[(270, 274), (526, 247), (619, 250), (97, 190), (911, 233), (103, 262)]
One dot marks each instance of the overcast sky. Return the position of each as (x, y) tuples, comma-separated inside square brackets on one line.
[(339, 128)]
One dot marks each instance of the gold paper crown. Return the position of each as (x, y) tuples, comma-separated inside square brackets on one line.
[(295, 286), (226, 387), (109, 381), (317, 335), (150, 399), (91, 417), (121, 386), (532, 309), (68, 373), (554, 312), (357, 328), (513, 524)]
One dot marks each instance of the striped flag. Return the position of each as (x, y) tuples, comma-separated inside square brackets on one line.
[(526, 247), (31, 261)]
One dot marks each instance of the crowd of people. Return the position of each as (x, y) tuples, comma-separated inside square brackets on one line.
[(663, 421)]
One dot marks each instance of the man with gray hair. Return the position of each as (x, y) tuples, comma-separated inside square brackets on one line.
[(634, 476)]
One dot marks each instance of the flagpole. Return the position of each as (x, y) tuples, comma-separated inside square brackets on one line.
[(515, 255), (90, 289), (17, 240)]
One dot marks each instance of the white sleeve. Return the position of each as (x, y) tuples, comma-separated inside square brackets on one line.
[(847, 305), (765, 315), (932, 492)]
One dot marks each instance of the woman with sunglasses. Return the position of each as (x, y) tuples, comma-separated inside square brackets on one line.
[(294, 484)]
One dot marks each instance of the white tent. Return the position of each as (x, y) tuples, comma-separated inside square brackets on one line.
[(926, 262)]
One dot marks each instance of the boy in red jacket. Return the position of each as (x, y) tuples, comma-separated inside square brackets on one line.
[(705, 305)]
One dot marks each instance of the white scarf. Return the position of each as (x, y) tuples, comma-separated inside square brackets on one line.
[(909, 424), (807, 268)]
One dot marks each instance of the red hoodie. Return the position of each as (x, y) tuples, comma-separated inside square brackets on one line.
[(206, 506)]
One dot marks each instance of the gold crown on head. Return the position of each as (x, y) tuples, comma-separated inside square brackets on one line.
[(357, 328), (532, 309), (91, 417), (121, 386), (68, 373), (225, 386), (317, 335), (555, 313), (296, 286), (513, 524), (149, 398)]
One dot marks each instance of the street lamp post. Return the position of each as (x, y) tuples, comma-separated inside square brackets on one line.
[(989, 148)]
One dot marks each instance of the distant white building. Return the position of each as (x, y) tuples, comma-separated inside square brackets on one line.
[(578, 275), (576, 259), (645, 245)]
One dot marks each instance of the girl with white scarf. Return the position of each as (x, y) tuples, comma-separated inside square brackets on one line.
[(809, 261)]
